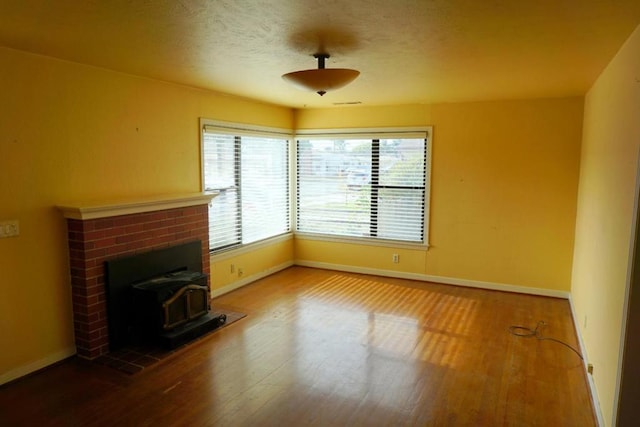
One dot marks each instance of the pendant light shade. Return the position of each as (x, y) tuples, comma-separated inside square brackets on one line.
[(322, 79)]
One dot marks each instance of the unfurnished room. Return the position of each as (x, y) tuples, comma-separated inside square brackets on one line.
[(322, 213)]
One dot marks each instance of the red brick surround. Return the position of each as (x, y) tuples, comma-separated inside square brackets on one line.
[(94, 241)]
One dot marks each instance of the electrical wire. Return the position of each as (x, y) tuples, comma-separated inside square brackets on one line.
[(523, 331)]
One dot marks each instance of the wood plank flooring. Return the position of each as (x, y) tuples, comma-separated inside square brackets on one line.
[(325, 348)]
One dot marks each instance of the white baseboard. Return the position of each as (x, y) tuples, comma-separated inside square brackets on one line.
[(249, 279), (21, 371), (436, 279), (585, 359)]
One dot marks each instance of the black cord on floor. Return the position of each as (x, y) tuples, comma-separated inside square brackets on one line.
[(523, 331)]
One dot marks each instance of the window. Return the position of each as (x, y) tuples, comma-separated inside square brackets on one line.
[(374, 187), (249, 167)]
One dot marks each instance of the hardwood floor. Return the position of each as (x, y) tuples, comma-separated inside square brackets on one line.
[(327, 348)]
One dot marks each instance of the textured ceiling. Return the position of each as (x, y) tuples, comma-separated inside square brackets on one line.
[(407, 51)]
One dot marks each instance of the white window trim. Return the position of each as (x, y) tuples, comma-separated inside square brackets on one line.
[(243, 129), (373, 133), (365, 241)]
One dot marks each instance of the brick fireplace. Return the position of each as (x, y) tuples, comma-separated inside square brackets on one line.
[(101, 232)]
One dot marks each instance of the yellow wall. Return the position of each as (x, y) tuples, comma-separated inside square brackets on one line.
[(503, 196), (226, 270), (605, 213), (68, 133), (377, 257)]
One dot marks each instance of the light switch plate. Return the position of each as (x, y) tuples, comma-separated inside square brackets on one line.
[(9, 229)]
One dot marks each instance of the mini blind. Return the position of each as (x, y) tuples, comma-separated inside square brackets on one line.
[(373, 188), (251, 173)]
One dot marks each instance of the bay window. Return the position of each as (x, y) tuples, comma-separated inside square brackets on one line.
[(361, 185)]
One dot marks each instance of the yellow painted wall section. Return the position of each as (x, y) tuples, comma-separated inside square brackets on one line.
[(363, 117), (227, 269), (503, 200), (605, 215), (503, 195), (363, 256), (74, 133)]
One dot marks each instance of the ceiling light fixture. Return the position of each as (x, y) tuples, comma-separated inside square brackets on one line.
[(322, 79)]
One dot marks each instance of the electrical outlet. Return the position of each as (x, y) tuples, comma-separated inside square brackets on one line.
[(232, 269), (396, 258), (590, 368), (9, 229), (240, 272)]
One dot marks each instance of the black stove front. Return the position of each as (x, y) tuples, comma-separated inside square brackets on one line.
[(160, 297)]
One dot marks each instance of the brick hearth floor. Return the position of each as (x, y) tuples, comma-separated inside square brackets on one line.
[(134, 359)]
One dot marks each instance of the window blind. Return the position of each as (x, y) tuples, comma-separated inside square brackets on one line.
[(363, 187), (251, 173)]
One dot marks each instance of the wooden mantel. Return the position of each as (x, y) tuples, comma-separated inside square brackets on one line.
[(95, 210)]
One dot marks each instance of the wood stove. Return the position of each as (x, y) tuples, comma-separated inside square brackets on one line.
[(159, 297)]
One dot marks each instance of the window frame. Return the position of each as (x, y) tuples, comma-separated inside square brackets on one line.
[(238, 130), (425, 132)]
